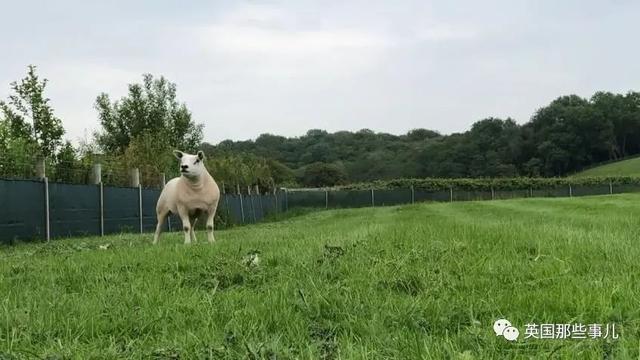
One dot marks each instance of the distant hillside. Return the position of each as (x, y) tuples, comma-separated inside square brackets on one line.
[(568, 135), (629, 167)]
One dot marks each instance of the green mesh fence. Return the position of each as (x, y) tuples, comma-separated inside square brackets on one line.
[(306, 199), (121, 210), (349, 199), (422, 196), (511, 194), (22, 210), (466, 195), (74, 210), (619, 189), (392, 197)]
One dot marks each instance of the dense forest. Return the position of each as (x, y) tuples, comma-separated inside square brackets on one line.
[(141, 129), (565, 136)]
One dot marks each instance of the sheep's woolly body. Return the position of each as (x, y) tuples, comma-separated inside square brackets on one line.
[(196, 196), (191, 196)]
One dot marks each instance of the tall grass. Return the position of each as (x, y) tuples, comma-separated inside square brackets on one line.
[(420, 281)]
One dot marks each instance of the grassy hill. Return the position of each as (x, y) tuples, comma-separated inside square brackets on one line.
[(420, 281), (630, 167)]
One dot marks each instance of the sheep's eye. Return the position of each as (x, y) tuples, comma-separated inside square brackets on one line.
[(197, 161)]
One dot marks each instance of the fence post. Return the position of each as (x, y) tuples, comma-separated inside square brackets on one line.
[(261, 206), (97, 174), (451, 194), (41, 172), (373, 199), (134, 177), (275, 197), (253, 208), (286, 199), (140, 206), (241, 205), (47, 224), (610, 188), (530, 192), (413, 195), (493, 194), (101, 209), (570, 191), (326, 199)]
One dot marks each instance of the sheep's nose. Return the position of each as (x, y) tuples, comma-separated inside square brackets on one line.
[(184, 167)]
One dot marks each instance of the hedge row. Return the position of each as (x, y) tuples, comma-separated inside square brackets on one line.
[(488, 183)]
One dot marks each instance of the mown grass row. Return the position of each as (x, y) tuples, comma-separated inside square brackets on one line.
[(419, 281)]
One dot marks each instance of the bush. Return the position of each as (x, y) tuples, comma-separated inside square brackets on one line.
[(432, 184)]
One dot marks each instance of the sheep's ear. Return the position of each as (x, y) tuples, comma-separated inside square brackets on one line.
[(178, 154), (200, 155)]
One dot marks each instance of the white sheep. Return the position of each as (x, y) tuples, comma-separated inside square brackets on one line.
[(191, 196)]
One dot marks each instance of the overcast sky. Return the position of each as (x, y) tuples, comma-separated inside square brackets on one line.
[(246, 68)]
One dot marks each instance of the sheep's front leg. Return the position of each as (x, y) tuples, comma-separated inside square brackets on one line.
[(161, 218), (186, 224), (193, 220), (210, 216)]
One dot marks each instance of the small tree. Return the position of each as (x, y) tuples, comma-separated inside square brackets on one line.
[(150, 109), (29, 115)]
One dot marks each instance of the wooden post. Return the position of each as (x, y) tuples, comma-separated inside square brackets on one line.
[(163, 179), (451, 194), (41, 172), (97, 174), (413, 195), (493, 194), (224, 191), (570, 191), (134, 177), (610, 188)]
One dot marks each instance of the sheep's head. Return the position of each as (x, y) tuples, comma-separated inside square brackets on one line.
[(191, 166)]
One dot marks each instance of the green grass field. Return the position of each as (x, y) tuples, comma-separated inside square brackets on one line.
[(630, 167), (421, 281)]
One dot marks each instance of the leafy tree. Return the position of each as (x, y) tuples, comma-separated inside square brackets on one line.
[(322, 174), (16, 153), (421, 134), (29, 115), (150, 109), (67, 167)]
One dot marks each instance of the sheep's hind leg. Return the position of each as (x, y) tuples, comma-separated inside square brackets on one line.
[(186, 224), (162, 216)]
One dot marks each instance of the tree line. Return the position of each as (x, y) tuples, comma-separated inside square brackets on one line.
[(140, 130), (563, 137)]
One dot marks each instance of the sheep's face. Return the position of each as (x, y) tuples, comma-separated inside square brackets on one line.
[(191, 166)]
